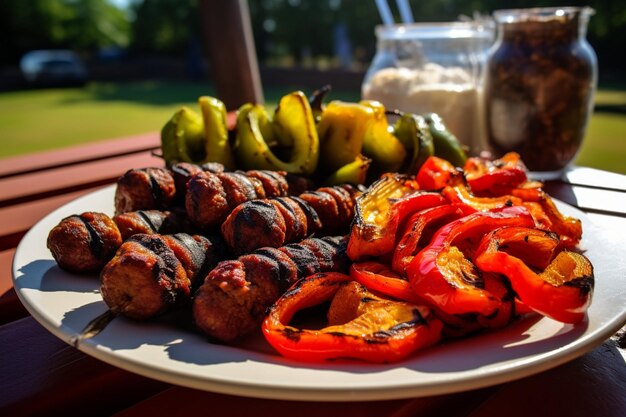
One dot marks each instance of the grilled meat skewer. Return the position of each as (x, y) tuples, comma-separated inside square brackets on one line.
[(157, 188), (232, 301), (84, 243)]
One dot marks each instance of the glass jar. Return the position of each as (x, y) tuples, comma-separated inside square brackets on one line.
[(433, 68), (539, 88)]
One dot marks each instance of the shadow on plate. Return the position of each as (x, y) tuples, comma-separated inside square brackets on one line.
[(44, 275)]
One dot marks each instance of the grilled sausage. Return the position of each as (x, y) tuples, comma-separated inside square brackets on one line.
[(211, 197), (232, 301), (181, 172), (151, 274), (152, 221), (277, 221), (144, 189)]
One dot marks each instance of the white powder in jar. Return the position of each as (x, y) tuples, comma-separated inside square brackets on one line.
[(450, 92)]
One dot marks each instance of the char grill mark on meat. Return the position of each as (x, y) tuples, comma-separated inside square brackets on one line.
[(334, 205), (304, 258), (323, 252), (140, 221), (313, 222), (287, 268), (295, 219), (84, 243), (181, 172), (151, 274), (144, 279), (274, 183), (144, 189), (198, 254), (238, 188), (152, 221), (205, 200), (255, 224), (298, 184), (258, 221), (96, 244), (233, 299), (211, 197)]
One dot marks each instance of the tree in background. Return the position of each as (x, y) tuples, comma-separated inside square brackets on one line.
[(285, 31), (83, 25), (164, 26)]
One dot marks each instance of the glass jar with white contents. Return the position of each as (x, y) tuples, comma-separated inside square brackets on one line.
[(433, 68)]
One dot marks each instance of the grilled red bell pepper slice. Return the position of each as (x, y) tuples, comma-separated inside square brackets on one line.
[(563, 289), (482, 174), (569, 229), (365, 327), (539, 203), (460, 193), (442, 275), (380, 210), (459, 325), (419, 227), (436, 173), (380, 279)]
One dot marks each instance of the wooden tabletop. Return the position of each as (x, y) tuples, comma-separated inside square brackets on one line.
[(42, 375)]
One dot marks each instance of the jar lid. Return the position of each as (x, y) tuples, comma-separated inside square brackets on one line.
[(541, 14), (436, 30)]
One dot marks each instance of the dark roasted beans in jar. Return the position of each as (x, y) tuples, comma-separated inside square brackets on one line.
[(541, 79)]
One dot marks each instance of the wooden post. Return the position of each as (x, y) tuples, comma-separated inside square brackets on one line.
[(230, 46)]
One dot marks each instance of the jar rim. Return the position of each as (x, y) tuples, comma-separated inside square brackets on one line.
[(435, 30), (541, 13)]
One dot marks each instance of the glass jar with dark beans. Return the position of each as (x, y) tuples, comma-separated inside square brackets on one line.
[(540, 83)]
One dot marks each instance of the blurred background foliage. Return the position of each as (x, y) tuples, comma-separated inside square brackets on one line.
[(303, 33), (146, 58)]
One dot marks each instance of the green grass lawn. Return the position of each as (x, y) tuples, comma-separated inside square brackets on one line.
[(36, 120), (44, 119)]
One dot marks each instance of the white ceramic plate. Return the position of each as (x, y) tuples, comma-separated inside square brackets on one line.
[(65, 304)]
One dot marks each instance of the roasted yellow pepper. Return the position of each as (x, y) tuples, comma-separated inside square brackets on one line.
[(292, 127), (341, 130)]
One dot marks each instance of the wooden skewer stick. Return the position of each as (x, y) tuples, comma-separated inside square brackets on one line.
[(94, 327)]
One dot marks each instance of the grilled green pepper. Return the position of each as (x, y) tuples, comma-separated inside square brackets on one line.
[(292, 127), (386, 151), (414, 133), (216, 144), (182, 137), (447, 146), (189, 137), (354, 172)]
